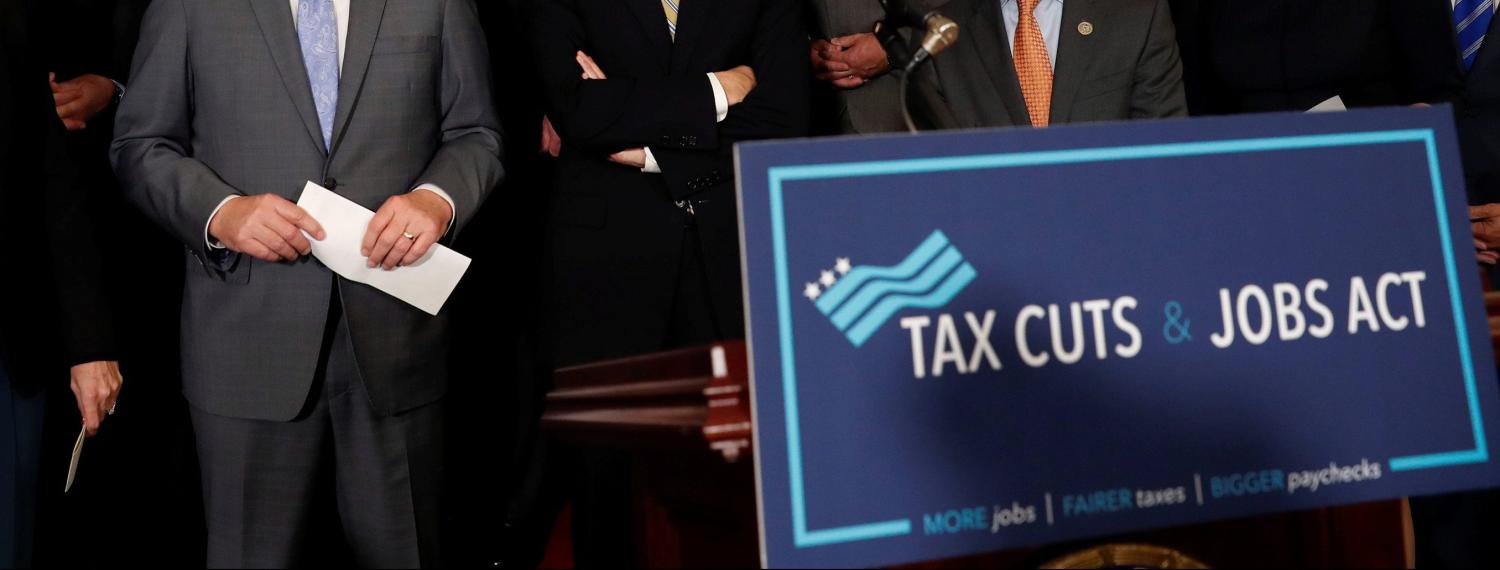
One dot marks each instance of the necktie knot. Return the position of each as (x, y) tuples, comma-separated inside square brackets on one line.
[(1028, 7)]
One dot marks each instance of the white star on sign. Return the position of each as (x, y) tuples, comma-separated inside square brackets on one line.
[(827, 279), (843, 266), (812, 291)]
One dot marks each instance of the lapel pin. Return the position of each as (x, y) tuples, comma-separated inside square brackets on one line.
[(1085, 28)]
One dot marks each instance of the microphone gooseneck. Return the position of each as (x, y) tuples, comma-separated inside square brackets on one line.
[(942, 32)]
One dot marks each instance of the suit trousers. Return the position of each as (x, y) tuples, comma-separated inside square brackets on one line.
[(603, 533), (261, 478), (20, 455)]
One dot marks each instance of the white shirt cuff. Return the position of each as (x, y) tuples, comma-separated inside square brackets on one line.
[(213, 243), (721, 102), (651, 166), (452, 209)]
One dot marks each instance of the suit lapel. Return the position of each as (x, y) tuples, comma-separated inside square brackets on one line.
[(275, 20), (653, 21), (364, 26), (994, 50), (693, 18), (1074, 54)]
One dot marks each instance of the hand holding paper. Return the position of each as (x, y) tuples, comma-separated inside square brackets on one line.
[(404, 228), (266, 227), (73, 463), (426, 284)]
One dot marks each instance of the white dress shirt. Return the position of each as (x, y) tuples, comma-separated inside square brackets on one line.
[(341, 16), (1048, 17)]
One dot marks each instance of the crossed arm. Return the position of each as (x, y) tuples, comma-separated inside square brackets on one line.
[(620, 117)]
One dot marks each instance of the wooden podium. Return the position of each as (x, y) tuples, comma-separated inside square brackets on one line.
[(685, 418)]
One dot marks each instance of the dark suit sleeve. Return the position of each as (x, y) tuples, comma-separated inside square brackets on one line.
[(776, 108), (609, 115), (467, 165), (151, 152), (1158, 90), (86, 317)]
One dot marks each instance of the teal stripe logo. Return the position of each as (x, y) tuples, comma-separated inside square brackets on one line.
[(859, 300)]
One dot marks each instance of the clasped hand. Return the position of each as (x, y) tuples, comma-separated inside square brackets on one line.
[(849, 61)]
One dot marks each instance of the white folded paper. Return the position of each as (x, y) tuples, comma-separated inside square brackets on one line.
[(425, 284), (1330, 105), (77, 453)]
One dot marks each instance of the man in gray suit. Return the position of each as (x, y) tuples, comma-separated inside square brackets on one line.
[(292, 372), (849, 58), (1047, 62)]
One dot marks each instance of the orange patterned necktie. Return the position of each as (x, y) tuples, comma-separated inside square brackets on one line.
[(1033, 67)]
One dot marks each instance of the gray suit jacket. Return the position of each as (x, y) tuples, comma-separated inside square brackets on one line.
[(874, 107), (1127, 67), (219, 105)]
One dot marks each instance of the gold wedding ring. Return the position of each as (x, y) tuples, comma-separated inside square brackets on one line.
[(408, 235)]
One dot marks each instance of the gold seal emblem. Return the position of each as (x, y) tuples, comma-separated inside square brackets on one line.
[(1085, 28), (1125, 555)]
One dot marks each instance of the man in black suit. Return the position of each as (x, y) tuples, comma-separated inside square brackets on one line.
[(643, 234), (649, 98), (54, 315)]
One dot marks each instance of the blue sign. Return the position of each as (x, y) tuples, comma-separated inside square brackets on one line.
[(967, 342)]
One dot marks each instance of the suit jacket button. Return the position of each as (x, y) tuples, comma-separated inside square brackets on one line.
[(331, 183)]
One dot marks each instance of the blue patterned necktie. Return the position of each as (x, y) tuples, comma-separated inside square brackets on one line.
[(1472, 18), (318, 32)]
